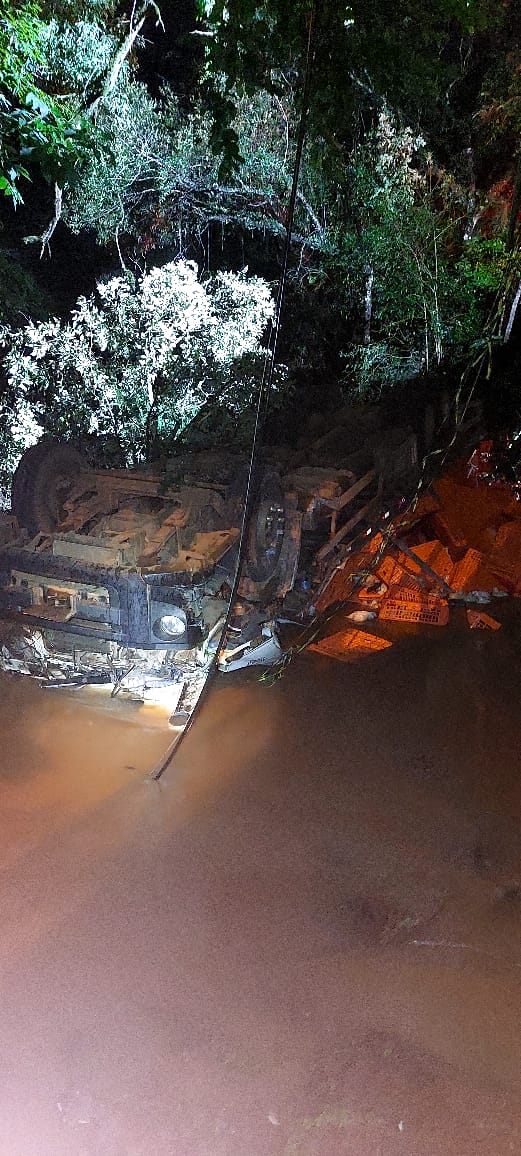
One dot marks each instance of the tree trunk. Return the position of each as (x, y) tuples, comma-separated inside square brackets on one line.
[(368, 303), (512, 314), (515, 206)]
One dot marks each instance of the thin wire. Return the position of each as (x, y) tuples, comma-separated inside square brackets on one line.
[(263, 401), (274, 335)]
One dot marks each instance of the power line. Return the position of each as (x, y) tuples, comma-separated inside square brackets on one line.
[(263, 398)]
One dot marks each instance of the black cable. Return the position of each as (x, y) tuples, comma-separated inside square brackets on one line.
[(263, 400), (274, 334)]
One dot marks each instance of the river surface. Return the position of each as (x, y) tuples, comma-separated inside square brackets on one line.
[(304, 940)]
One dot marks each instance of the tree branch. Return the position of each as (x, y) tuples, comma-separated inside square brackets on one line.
[(368, 302), (512, 313), (136, 23), (514, 208), (46, 236), (311, 213)]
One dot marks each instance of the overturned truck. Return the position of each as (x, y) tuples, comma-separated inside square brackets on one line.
[(124, 576)]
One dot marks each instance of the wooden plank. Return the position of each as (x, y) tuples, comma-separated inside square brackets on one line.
[(369, 509), (348, 495)]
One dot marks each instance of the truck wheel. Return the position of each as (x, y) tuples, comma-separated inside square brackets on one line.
[(42, 482), (273, 543), (267, 527)]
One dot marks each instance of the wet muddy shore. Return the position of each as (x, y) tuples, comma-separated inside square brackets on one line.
[(305, 940)]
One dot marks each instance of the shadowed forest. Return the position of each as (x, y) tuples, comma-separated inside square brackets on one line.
[(147, 156)]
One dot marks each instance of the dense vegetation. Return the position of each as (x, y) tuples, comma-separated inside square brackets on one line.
[(137, 144)]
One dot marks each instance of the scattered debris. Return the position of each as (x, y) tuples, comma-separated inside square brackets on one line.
[(430, 560), (429, 610), (479, 463), (263, 651), (189, 693), (474, 597), (362, 616), (349, 644), (461, 544), (452, 945), (477, 620), (130, 585)]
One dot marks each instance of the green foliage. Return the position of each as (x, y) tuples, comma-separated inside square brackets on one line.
[(38, 129), (395, 243), (484, 263), (70, 11), (363, 53), (372, 369), (156, 180), (20, 29), (138, 360), (499, 113), (58, 66), (76, 55), (398, 262), (122, 177)]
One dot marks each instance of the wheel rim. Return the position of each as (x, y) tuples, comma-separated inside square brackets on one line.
[(269, 528)]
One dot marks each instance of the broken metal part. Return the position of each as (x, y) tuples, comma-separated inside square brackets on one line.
[(264, 652)]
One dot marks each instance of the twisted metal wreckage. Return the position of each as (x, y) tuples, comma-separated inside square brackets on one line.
[(124, 577)]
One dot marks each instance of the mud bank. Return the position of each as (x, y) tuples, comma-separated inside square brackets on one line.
[(304, 941)]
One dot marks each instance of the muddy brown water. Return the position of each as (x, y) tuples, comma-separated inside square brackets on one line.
[(304, 941)]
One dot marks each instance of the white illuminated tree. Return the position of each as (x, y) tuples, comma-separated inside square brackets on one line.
[(138, 359)]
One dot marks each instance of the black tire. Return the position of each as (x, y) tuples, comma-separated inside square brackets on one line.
[(266, 530), (273, 542), (41, 483)]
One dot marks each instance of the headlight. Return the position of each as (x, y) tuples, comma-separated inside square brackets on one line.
[(169, 627), (172, 624)]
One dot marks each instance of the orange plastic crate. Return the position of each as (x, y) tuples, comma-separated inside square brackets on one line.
[(429, 611), (350, 644)]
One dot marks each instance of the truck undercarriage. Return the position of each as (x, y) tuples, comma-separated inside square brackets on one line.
[(124, 576)]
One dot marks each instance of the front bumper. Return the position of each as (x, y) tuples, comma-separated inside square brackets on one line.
[(92, 601)]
